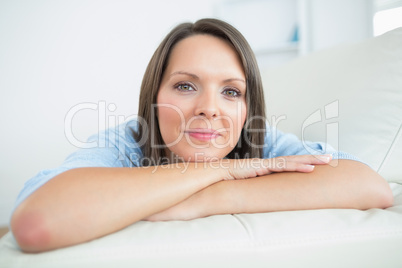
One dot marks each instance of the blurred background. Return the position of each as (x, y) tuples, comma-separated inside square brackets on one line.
[(55, 55)]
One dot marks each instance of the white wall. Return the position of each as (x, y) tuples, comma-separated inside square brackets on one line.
[(55, 54), (269, 26), (327, 23)]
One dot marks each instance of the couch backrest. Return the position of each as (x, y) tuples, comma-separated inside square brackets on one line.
[(349, 96)]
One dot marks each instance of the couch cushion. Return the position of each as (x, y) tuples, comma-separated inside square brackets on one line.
[(306, 238), (349, 96)]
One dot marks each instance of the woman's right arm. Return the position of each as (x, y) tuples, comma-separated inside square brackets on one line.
[(86, 203)]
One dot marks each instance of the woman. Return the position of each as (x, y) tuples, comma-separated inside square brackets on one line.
[(200, 148)]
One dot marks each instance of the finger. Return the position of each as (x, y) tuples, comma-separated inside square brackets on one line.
[(281, 164), (322, 159), (287, 166)]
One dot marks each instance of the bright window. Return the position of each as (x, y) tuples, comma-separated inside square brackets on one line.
[(387, 20)]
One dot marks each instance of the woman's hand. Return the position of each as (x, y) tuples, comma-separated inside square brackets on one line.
[(250, 168), (195, 206)]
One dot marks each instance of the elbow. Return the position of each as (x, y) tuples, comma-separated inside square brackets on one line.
[(386, 198), (380, 197), (30, 231)]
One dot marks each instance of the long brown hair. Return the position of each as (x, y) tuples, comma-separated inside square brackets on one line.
[(252, 137)]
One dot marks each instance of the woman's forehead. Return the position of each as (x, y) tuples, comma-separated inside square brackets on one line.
[(199, 52)]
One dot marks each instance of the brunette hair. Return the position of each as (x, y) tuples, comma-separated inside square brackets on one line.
[(251, 140)]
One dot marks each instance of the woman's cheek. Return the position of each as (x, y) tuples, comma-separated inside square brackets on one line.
[(170, 121)]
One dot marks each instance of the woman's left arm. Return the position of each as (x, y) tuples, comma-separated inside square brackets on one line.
[(340, 184)]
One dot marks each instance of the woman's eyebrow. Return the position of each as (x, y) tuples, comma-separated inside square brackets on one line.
[(234, 79), (185, 73), (196, 77)]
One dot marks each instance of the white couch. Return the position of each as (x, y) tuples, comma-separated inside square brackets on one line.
[(350, 96)]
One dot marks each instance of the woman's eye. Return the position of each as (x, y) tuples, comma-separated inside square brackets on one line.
[(231, 93), (184, 87)]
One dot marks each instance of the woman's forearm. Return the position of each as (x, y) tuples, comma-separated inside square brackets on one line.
[(349, 184), (85, 203)]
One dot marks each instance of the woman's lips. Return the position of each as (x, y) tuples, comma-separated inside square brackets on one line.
[(203, 134)]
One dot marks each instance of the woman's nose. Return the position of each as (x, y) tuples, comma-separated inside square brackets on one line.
[(206, 105)]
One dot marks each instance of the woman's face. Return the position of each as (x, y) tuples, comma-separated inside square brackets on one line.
[(202, 99)]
